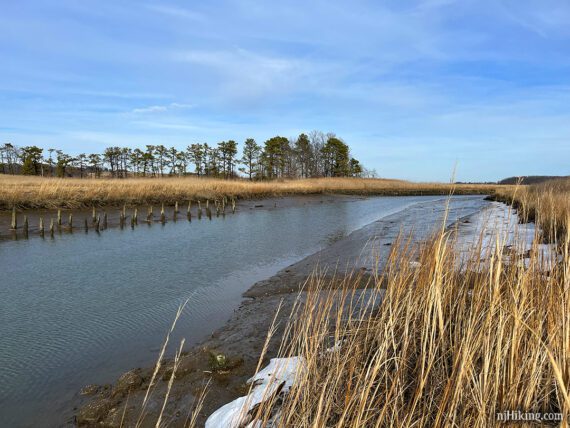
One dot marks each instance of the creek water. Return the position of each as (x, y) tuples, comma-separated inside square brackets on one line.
[(84, 308)]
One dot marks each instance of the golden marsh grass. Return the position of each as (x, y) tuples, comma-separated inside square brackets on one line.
[(547, 204), (38, 192)]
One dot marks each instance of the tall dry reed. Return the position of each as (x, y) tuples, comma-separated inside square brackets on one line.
[(438, 346), (547, 204)]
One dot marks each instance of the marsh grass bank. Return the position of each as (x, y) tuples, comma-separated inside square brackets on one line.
[(547, 204), (444, 347), (52, 193)]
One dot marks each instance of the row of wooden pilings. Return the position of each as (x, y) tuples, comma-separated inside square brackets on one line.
[(99, 223)]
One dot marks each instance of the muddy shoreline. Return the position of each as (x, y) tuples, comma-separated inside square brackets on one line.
[(241, 339)]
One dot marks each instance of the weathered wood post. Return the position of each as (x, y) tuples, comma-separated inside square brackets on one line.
[(59, 218), (188, 211), (41, 227), (14, 224), (94, 215), (122, 217), (233, 205), (70, 222), (25, 226), (162, 215), (104, 220), (86, 226), (208, 210), (176, 207), (199, 210), (51, 227), (98, 224), (136, 216), (150, 215)]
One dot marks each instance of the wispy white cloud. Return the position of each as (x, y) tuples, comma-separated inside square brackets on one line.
[(161, 108), (547, 18), (243, 75), (177, 12)]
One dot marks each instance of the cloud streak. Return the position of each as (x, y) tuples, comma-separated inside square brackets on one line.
[(162, 108)]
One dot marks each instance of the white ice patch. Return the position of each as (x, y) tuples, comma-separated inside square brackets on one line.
[(498, 225), (265, 383)]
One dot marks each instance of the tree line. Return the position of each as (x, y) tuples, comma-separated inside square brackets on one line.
[(309, 155)]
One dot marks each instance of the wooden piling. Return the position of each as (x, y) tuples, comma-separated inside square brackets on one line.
[(188, 211), (98, 224), (26, 226), (86, 226), (41, 227), (136, 216), (70, 221), (150, 215), (94, 215), (233, 205), (104, 220), (176, 207), (162, 215), (14, 224), (58, 218), (51, 227)]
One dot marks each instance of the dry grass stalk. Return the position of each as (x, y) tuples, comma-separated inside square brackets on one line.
[(158, 365)]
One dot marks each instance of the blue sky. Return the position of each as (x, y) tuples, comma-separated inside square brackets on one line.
[(412, 86)]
